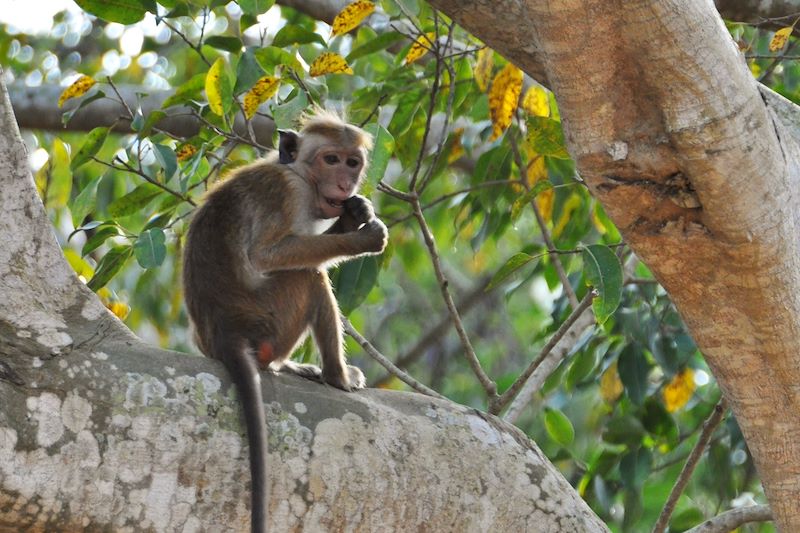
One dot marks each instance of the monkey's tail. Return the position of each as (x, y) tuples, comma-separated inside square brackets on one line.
[(244, 371)]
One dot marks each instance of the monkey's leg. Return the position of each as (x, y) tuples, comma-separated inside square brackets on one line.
[(326, 326)]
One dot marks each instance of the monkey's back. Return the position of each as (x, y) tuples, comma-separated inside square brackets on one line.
[(221, 290)]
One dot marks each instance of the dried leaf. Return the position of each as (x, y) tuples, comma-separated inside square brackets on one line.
[(218, 88), (780, 39), (120, 309), (185, 151), (264, 88), (329, 63), (420, 47), (611, 384), (351, 16), (536, 102), (483, 68), (78, 88), (678, 391), (504, 98)]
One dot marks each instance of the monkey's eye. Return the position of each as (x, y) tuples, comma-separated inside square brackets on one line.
[(331, 159), (352, 162)]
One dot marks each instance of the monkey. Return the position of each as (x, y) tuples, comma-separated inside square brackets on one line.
[(255, 267)]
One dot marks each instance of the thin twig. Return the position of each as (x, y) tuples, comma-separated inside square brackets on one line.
[(733, 519), (437, 74), (386, 363), (688, 468), (504, 399), (548, 240), (489, 386), (128, 168)]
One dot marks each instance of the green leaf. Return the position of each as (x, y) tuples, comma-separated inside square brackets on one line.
[(633, 371), (546, 137), (514, 263), (272, 56), (286, 115), (100, 236), (150, 249), (292, 34), (186, 91), (134, 201), (381, 42), (624, 429), (581, 367), (86, 227), (659, 422), (521, 202), (354, 280), (634, 508), (558, 426), (109, 266), (225, 42), (383, 147), (603, 271), (65, 118), (248, 72), (83, 204), (167, 159), (407, 107), (93, 143), (152, 119), (686, 519), (122, 11), (255, 7), (635, 467)]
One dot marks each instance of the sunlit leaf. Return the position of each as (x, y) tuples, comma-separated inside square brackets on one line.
[(381, 42), (120, 309), (521, 202), (185, 151), (558, 426), (545, 137), (351, 16), (383, 147), (122, 11), (91, 145), (329, 63), (255, 7), (109, 266), (186, 91), (420, 47), (603, 271), (263, 90), (81, 267), (483, 68), (504, 98), (83, 204), (99, 238), (536, 102), (219, 90), (224, 42), (780, 39), (134, 201), (514, 263), (679, 390), (78, 88)]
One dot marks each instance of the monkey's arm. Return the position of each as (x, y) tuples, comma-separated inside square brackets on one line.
[(294, 252)]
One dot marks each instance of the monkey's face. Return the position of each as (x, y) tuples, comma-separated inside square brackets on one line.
[(336, 172)]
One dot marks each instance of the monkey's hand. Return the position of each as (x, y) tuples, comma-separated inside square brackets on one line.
[(375, 236), (357, 211)]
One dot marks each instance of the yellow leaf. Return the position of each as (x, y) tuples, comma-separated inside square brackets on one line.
[(780, 39), (329, 63), (678, 391), (536, 170), (610, 384), (457, 148), (351, 16), (185, 151), (263, 90), (483, 68), (569, 207), (598, 224), (119, 308), (78, 88), (82, 268), (214, 87), (504, 98), (544, 201), (420, 47), (536, 102)]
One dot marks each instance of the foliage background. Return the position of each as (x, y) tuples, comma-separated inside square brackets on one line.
[(514, 231)]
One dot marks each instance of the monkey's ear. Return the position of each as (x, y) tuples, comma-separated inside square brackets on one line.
[(287, 146)]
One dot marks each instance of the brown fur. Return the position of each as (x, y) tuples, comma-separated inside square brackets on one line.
[(254, 267)]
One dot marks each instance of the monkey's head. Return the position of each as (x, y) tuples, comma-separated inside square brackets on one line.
[(331, 155)]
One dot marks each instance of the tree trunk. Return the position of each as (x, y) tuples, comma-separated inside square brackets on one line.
[(101, 432), (671, 133)]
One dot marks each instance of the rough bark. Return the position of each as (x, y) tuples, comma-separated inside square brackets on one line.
[(101, 432), (670, 132)]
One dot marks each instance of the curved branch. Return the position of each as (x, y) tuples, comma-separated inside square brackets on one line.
[(733, 519)]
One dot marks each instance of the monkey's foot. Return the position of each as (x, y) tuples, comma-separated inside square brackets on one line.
[(304, 370), (355, 379)]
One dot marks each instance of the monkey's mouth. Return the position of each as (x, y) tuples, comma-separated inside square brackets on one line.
[(333, 203)]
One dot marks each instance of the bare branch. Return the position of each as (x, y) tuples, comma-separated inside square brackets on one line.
[(734, 518)]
